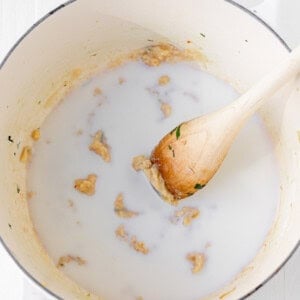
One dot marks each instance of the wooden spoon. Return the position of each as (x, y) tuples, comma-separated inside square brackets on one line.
[(189, 156)]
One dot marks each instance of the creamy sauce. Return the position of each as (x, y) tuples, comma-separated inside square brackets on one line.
[(236, 208)]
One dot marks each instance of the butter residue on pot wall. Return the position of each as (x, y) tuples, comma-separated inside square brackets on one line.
[(155, 55)]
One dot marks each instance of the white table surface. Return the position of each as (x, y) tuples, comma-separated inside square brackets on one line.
[(16, 16)]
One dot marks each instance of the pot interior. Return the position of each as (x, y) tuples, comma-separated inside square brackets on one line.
[(63, 51)]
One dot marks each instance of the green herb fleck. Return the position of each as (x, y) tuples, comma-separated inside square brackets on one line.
[(15, 153), (18, 189), (199, 186), (39, 102), (9, 225), (202, 34), (171, 149), (10, 139), (178, 132)]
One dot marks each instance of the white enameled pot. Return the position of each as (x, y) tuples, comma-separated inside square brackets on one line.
[(73, 42)]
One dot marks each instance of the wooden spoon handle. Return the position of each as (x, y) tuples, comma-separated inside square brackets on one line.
[(248, 103)]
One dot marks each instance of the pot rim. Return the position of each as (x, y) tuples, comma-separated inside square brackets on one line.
[(42, 19)]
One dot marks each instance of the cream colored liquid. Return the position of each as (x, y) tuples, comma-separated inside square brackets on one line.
[(237, 207)]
